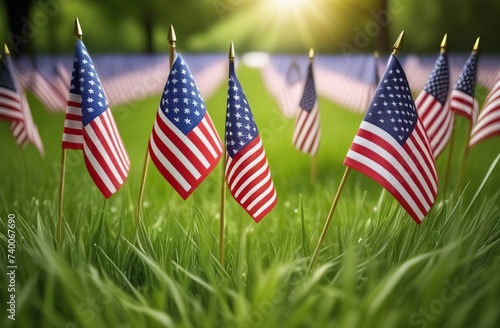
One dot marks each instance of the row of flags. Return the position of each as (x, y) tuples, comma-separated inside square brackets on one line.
[(396, 144), (14, 106), (348, 81), (437, 106), (126, 78), (184, 145), (399, 140), (351, 81)]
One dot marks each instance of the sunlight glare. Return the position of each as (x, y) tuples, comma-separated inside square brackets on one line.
[(289, 4)]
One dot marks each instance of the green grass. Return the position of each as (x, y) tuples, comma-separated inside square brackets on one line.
[(377, 268)]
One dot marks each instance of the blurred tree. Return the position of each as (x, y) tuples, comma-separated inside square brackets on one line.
[(383, 38), (18, 13), (345, 26), (188, 16), (426, 21)]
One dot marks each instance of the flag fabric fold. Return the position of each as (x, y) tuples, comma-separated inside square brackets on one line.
[(488, 122), (247, 170), (432, 106), (307, 129), (89, 125), (392, 148), (184, 144), (463, 101), (15, 109)]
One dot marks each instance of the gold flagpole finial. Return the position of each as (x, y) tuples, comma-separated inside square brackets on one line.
[(77, 31), (475, 49), (444, 43), (232, 54), (398, 45), (171, 35), (172, 39), (376, 54), (6, 49), (311, 55)]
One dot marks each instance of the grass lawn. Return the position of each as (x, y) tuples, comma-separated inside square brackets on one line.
[(377, 267)]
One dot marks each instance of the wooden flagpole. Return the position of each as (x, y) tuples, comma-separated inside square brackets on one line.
[(171, 56), (329, 217), (448, 162), (314, 160), (222, 245), (61, 195), (397, 47), (77, 32)]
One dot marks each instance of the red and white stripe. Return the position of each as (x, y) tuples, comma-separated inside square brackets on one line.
[(25, 130), (184, 160), (72, 134), (464, 105), (488, 123), (437, 120), (20, 133), (289, 98), (10, 105), (49, 95), (105, 156), (307, 131), (408, 172), (249, 180)]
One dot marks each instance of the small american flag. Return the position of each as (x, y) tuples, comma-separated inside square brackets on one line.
[(463, 101), (392, 148), (292, 90), (10, 102), (488, 122), (14, 107), (184, 144), (90, 126), (247, 171), (431, 106), (307, 131), (47, 90)]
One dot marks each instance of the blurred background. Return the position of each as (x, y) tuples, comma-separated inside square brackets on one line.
[(331, 26)]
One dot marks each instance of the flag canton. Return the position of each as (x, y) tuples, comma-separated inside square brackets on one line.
[(309, 96), (85, 82), (6, 74), (240, 124), (439, 81), (467, 80), (182, 103), (392, 108)]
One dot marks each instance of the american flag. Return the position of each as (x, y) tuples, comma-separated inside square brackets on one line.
[(10, 102), (47, 90), (247, 171), (392, 148), (184, 144), (14, 107), (307, 131), (463, 101), (432, 106), (89, 125), (292, 90), (488, 123)]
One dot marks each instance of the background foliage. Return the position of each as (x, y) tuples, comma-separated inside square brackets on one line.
[(264, 25)]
